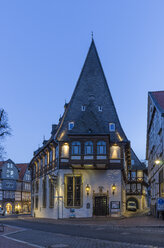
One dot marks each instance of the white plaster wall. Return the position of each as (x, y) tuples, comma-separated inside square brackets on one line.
[(94, 178), (45, 212)]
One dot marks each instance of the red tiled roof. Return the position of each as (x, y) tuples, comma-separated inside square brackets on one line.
[(159, 96), (22, 168)]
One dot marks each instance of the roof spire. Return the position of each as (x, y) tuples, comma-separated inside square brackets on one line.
[(92, 35)]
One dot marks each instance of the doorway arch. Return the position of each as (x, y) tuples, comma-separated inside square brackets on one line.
[(8, 208)]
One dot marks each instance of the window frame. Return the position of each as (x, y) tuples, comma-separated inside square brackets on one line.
[(110, 127), (69, 125), (101, 144), (74, 192), (76, 144), (86, 145)]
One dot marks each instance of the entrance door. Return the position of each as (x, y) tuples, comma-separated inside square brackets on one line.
[(101, 206)]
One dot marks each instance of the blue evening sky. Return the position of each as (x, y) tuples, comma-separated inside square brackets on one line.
[(43, 45)]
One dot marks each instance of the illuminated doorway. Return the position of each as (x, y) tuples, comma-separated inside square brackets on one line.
[(17, 208), (9, 208)]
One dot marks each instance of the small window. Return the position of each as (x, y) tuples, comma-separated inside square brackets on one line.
[(132, 162), (101, 147), (65, 151), (76, 148), (83, 108), (70, 125), (115, 152), (112, 127), (88, 147), (100, 108)]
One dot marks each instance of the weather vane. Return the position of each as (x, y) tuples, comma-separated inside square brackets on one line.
[(92, 35)]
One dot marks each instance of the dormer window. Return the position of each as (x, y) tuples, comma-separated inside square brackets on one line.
[(83, 108), (100, 108), (112, 127), (70, 125), (9, 165)]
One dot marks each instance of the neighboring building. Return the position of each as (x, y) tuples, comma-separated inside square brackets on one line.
[(82, 169), (15, 187), (155, 146), (137, 185)]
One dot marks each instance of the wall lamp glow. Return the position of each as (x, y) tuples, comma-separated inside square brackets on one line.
[(113, 188)]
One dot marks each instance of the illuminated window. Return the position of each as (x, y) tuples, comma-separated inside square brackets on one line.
[(101, 147), (65, 151), (115, 152), (88, 147), (112, 127), (76, 148), (70, 125)]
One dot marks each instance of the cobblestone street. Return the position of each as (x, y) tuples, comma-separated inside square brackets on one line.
[(128, 232)]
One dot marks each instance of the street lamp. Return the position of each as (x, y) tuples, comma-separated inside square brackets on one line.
[(157, 161)]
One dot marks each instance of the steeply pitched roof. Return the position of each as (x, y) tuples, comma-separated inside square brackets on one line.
[(91, 91), (22, 169), (158, 98), (138, 165)]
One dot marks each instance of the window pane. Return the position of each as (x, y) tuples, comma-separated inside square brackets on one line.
[(89, 147), (115, 152), (76, 148), (69, 191), (65, 151), (101, 147), (77, 200)]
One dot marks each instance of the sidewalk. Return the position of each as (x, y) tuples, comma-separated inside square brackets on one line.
[(134, 221)]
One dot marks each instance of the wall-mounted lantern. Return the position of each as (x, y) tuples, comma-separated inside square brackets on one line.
[(87, 188), (157, 161), (113, 188)]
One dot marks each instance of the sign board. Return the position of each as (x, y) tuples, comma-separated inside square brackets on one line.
[(160, 204), (115, 204)]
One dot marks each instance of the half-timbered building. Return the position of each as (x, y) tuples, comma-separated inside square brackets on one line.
[(81, 171), (155, 149), (137, 184)]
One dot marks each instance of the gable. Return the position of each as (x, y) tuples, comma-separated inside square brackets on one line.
[(91, 91)]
